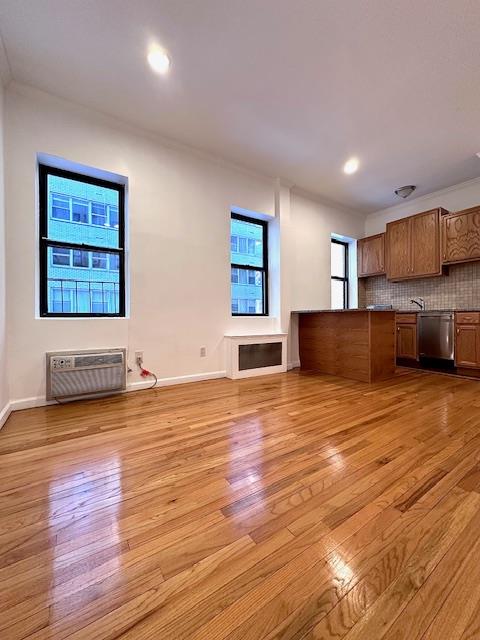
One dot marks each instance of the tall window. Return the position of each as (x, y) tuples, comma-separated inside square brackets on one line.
[(339, 274), (249, 266), (82, 233)]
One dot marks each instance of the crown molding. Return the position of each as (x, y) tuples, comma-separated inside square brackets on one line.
[(107, 119), (327, 202)]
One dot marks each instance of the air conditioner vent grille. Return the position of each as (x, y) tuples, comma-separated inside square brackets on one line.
[(75, 374), (95, 360)]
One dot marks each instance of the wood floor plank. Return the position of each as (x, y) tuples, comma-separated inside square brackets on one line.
[(337, 580), (288, 506), (416, 618)]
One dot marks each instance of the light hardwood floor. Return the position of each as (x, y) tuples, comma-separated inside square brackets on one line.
[(290, 506)]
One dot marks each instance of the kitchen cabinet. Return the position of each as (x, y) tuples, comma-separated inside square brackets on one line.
[(466, 346), (407, 341), (397, 246), (357, 343), (425, 239), (467, 340), (412, 246), (461, 236), (371, 256)]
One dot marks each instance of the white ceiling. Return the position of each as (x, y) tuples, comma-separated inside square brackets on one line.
[(290, 88)]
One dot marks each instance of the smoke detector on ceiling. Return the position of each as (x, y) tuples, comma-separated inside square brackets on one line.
[(404, 192)]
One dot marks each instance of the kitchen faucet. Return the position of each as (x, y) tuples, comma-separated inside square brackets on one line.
[(419, 302)]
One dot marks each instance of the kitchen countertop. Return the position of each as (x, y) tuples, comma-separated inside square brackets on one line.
[(343, 310), (437, 310), (385, 310)]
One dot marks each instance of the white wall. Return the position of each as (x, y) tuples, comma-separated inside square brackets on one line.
[(312, 223), (179, 215), (4, 395), (456, 198), (179, 204)]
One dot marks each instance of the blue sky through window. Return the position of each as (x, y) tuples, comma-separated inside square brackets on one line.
[(80, 280), (247, 285)]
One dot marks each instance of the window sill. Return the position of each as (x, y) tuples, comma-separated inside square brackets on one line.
[(82, 318)]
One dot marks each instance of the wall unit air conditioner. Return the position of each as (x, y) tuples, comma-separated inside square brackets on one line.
[(76, 374)]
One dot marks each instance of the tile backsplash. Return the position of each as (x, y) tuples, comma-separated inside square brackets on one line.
[(460, 289)]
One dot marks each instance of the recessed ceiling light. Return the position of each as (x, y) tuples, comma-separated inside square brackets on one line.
[(350, 166), (158, 60)]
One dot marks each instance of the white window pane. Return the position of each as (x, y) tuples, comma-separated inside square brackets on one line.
[(337, 260), (338, 294)]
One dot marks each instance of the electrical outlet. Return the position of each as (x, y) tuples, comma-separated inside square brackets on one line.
[(139, 358), (203, 352)]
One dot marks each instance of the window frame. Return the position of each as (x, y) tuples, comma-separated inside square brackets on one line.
[(45, 243), (245, 267), (346, 279)]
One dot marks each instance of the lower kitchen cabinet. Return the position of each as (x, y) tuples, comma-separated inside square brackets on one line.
[(407, 341), (467, 346), (406, 330)]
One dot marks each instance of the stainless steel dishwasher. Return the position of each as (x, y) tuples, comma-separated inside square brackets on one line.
[(435, 335)]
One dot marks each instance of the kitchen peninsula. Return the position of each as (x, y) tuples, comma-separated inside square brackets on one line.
[(350, 343)]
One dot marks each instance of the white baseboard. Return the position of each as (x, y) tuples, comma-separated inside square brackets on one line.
[(167, 382), (293, 365), (4, 413), (40, 401), (30, 403)]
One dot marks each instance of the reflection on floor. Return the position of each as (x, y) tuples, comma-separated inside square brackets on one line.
[(289, 506), (435, 365)]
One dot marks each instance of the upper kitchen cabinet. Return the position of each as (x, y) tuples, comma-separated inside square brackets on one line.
[(371, 256), (461, 236), (398, 249), (413, 246)]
